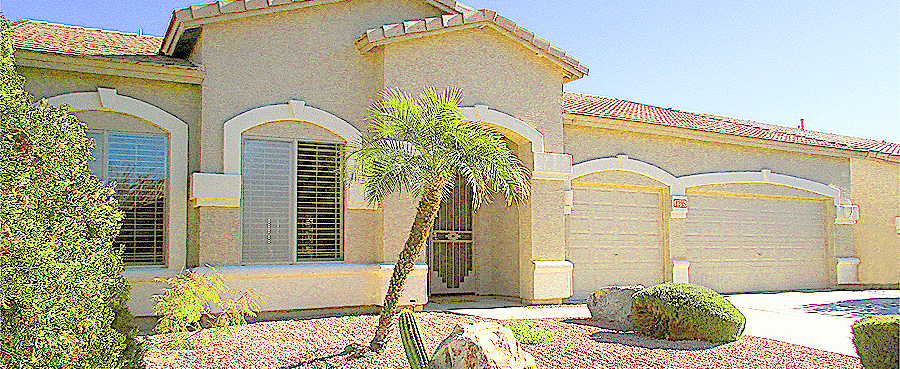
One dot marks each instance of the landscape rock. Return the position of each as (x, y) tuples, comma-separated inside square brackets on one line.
[(610, 306), (481, 345)]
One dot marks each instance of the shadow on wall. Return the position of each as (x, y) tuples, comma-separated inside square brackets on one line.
[(855, 308), (635, 340)]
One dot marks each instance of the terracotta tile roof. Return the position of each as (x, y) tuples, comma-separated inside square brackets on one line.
[(72, 40), (390, 32), (605, 107), (205, 12), (235, 6)]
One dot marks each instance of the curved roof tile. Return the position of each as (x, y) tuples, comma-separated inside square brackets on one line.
[(79, 41), (605, 107), (394, 32)]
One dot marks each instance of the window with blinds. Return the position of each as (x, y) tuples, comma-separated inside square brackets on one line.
[(137, 164), (319, 201), (266, 199), (292, 201)]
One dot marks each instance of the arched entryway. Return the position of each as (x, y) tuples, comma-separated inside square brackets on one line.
[(477, 250)]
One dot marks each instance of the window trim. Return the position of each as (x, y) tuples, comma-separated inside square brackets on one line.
[(109, 100), (342, 213), (104, 168)]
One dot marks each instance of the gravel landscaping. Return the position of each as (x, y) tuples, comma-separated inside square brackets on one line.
[(319, 343)]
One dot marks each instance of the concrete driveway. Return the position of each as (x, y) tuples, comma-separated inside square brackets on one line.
[(817, 319)]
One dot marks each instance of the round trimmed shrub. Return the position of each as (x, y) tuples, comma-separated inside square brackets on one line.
[(681, 311), (876, 340)]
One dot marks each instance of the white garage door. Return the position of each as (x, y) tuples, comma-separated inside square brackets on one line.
[(742, 244), (614, 238)]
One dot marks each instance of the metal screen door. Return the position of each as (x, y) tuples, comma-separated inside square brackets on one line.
[(450, 249)]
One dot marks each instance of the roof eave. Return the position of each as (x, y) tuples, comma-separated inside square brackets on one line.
[(173, 33), (115, 67), (624, 124), (483, 18)]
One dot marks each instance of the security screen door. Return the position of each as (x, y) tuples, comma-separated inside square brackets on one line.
[(450, 251)]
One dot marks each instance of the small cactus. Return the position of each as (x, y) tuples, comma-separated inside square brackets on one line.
[(412, 341)]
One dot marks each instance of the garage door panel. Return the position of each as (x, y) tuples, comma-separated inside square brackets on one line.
[(744, 243), (614, 237)]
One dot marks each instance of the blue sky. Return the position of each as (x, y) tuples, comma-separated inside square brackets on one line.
[(835, 64)]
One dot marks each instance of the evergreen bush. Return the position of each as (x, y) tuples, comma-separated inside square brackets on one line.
[(62, 296), (681, 311), (877, 341)]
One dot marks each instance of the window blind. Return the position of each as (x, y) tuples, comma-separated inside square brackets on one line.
[(138, 166), (267, 201), (319, 201)]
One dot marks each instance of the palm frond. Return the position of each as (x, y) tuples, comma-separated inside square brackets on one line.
[(426, 140)]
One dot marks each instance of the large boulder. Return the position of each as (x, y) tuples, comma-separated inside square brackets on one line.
[(481, 345), (610, 306)]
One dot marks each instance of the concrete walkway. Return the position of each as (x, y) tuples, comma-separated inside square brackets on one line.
[(817, 319)]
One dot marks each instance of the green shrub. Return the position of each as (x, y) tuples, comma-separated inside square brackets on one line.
[(193, 302), (876, 340), (529, 334), (680, 311), (63, 295)]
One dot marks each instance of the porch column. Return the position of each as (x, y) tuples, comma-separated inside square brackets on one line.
[(546, 277)]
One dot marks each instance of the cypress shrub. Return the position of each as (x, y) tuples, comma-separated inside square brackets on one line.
[(63, 295)]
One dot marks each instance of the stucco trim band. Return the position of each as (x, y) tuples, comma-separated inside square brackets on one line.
[(296, 110), (100, 65), (678, 185), (107, 99), (211, 189)]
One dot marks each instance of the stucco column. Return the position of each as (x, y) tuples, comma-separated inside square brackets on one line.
[(545, 274), (216, 199), (678, 264), (842, 258)]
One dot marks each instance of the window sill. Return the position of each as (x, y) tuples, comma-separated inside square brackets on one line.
[(148, 274)]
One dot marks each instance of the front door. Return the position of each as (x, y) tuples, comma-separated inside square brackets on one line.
[(450, 249)]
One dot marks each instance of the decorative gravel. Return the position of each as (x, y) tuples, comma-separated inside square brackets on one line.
[(319, 343)]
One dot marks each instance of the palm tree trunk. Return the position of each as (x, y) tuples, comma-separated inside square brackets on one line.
[(429, 204)]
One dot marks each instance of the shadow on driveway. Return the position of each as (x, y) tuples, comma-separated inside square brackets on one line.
[(855, 308), (628, 338)]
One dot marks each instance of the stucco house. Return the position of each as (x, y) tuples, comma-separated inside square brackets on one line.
[(224, 136)]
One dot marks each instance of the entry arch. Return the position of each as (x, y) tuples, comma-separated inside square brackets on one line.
[(483, 113)]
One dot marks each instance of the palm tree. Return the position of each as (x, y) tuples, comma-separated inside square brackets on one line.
[(419, 146)]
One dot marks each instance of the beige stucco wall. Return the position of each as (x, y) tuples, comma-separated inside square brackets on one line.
[(179, 99), (490, 69), (114, 121), (682, 156), (876, 189), (218, 236), (362, 239), (305, 54), (493, 70)]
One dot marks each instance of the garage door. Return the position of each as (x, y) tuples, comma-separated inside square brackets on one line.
[(742, 244), (614, 238)]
